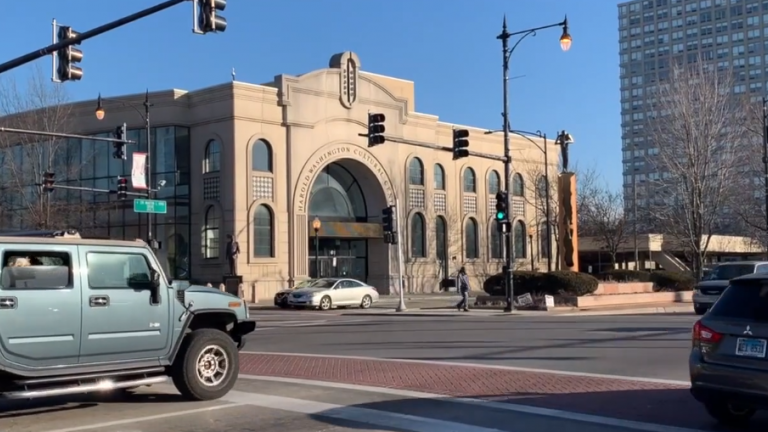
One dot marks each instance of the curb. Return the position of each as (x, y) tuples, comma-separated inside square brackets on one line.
[(638, 311)]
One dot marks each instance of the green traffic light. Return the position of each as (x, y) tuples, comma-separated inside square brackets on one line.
[(500, 216)]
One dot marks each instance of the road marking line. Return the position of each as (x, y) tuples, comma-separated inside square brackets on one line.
[(525, 409), (147, 418), (479, 365), (369, 416)]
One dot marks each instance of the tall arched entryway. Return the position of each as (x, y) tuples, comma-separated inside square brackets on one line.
[(347, 199)]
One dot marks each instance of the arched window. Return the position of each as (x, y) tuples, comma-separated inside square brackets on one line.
[(470, 182), (211, 233), (418, 236), (518, 187), (518, 235), (263, 246), (261, 156), (441, 251), (470, 239), (543, 240), (494, 240), (439, 177), (494, 183), (416, 172), (212, 162), (541, 188)]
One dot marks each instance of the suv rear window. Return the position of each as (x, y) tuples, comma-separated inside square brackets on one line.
[(730, 271), (743, 300)]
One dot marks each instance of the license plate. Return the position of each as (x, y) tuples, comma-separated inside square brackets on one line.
[(750, 347)]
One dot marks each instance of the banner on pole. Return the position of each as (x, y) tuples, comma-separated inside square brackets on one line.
[(139, 170)]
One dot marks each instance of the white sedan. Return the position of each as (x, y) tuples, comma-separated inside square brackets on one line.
[(327, 293)]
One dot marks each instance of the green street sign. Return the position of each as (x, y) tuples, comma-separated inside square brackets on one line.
[(150, 206)]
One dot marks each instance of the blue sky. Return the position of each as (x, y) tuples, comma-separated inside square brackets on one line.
[(447, 47)]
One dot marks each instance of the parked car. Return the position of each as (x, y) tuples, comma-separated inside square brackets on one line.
[(327, 293), (728, 365), (281, 297), (711, 286)]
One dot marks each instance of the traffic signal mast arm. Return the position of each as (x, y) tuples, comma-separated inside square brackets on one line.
[(63, 44)]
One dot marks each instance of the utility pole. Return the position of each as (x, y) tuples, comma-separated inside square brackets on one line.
[(508, 254)]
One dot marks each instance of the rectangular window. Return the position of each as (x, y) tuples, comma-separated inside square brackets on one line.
[(36, 270), (117, 270)]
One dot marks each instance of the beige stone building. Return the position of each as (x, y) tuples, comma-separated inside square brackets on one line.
[(266, 160)]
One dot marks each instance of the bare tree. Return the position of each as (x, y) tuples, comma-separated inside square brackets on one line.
[(602, 215), (36, 105), (699, 132), (536, 197)]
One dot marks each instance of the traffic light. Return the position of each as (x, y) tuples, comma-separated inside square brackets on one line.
[(49, 179), (376, 129), (122, 188), (68, 57), (389, 222), (121, 133), (502, 211), (460, 143), (208, 18)]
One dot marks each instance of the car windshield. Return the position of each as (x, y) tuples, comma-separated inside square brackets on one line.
[(744, 300), (322, 283), (730, 271), (304, 283)]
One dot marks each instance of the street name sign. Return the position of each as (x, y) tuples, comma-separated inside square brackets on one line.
[(150, 206)]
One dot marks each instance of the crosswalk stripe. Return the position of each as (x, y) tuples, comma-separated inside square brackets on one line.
[(359, 415)]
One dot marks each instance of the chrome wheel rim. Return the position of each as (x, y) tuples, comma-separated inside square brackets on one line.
[(366, 301), (212, 366), (325, 303)]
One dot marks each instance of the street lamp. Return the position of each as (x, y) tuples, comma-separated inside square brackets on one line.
[(531, 232), (100, 113), (565, 44), (316, 224)]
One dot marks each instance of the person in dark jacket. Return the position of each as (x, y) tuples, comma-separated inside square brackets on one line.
[(462, 283), (233, 251)]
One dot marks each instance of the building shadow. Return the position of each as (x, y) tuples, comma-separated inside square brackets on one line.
[(668, 407)]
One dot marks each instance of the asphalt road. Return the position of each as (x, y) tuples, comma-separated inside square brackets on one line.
[(274, 406), (648, 346)]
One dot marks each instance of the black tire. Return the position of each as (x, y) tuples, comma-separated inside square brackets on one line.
[(325, 303), (366, 302), (700, 310), (729, 414), (184, 370)]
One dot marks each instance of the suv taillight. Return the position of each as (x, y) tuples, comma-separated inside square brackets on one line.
[(704, 334)]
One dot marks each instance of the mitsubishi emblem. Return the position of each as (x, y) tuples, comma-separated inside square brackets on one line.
[(748, 331)]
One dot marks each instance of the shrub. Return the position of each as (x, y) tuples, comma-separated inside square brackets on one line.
[(569, 283), (553, 283), (523, 281), (625, 275), (665, 280)]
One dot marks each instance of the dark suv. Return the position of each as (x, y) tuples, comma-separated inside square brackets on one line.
[(728, 365)]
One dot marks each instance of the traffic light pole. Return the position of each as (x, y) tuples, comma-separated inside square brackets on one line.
[(63, 135), (50, 49), (509, 289), (401, 306)]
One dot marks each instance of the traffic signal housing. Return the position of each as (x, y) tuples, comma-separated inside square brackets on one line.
[(49, 179), (67, 69), (122, 188), (376, 129), (121, 133), (460, 143), (502, 210), (209, 18), (389, 224)]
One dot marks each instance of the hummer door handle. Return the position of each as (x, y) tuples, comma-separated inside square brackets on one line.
[(98, 301), (8, 303)]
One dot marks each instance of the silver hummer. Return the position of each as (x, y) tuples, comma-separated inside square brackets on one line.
[(84, 315)]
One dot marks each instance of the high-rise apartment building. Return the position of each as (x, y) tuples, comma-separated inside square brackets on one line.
[(654, 35)]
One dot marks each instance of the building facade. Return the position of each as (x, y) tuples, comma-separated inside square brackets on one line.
[(264, 162), (656, 34)]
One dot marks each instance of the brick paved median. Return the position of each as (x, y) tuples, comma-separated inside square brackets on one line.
[(619, 398)]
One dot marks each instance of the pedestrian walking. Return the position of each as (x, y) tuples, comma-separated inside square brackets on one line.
[(462, 283), (233, 251)]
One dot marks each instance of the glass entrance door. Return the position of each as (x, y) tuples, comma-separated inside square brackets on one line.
[(339, 258)]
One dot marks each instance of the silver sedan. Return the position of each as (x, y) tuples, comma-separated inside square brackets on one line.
[(327, 293)]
